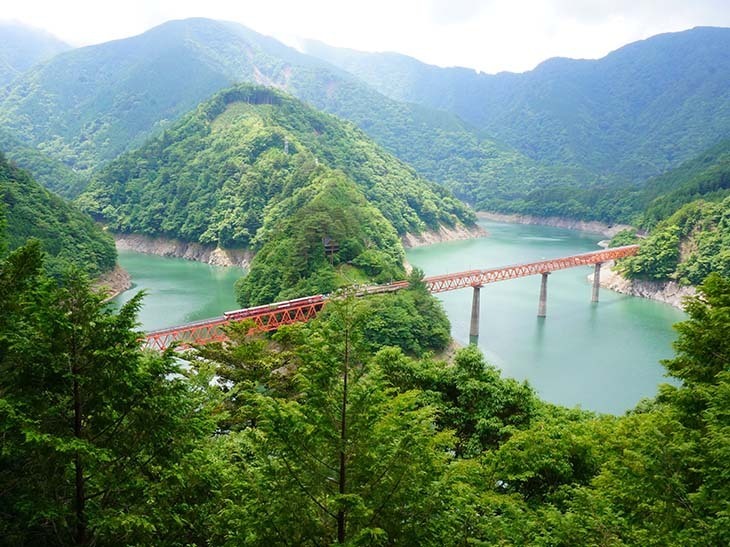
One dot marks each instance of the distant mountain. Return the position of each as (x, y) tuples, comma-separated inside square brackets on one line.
[(22, 46), (218, 174), (640, 110), (67, 235), (89, 105)]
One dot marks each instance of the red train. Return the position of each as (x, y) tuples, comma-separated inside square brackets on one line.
[(286, 304)]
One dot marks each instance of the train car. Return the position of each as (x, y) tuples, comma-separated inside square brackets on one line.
[(244, 313)]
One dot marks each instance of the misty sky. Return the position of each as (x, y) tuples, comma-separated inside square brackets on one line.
[(489, 35)]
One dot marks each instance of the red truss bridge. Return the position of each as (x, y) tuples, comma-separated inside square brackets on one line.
[(270, 317)]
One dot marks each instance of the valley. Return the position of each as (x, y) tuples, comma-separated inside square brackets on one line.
[(212, 167)]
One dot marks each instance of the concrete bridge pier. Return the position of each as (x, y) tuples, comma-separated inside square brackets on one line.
[(596, 281), (542, 304), (474, 326)]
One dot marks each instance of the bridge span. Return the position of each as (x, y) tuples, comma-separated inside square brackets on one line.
[(270, 317)]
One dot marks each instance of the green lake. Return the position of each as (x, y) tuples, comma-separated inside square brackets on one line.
[(603, 357)]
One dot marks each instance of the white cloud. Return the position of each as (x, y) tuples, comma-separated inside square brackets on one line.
[(489, 35)]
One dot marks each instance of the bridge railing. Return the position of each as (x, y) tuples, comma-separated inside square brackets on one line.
[(476, 278), (272, 316)]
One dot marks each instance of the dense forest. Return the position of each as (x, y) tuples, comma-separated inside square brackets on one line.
[(574, 157), (686, 247), (329, 432), (364, 426), (65, 233), (215, 175), (331, 214)]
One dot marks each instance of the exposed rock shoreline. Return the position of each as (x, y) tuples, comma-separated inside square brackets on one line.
[(114, 282), (670, 292), (606, 230), (242, 257), (444, 233), (182, 249)]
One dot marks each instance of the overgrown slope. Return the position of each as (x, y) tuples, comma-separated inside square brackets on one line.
[(66, 234), (214, 175), (89, 105)]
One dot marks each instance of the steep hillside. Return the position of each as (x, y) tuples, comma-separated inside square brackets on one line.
[(89, 105), (49, 172), (635, 113), (292, 260), (706, 176), (214, 176), (67, 235), (21, 47), (686, 247)]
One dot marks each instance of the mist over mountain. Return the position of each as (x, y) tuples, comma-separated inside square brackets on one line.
[(87, 106), (569, 138), (638, 111), (22, 46)]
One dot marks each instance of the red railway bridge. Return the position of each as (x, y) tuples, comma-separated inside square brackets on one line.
[(270, 317)]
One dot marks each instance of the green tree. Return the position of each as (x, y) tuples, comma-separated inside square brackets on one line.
[(90, 423), (357, 460)]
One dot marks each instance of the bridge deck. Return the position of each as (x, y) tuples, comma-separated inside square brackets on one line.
[(271, 316)]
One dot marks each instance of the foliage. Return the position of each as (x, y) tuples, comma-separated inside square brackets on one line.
[(92, 426), (411, 320), (687, 246), (293, 260), (356, 461), (50, 173), (67, 235), (322, 434), (657, 258), (210, 177), (705, 177), (636, 112), (624, 237), (90, 105)]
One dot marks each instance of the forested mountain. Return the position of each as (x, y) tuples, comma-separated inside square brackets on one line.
[(252, 162), (88, 105), (635, 113), (210, 177), (66, 234), (21, 47), (573, 138)]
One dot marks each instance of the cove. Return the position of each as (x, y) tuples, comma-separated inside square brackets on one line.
[(177, 290), (602, 357)]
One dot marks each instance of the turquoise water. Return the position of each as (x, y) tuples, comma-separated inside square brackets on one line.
[(603, 357), (178, 291)]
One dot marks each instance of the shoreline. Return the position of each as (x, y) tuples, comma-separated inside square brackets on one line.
[(667, 292), (593, 226), (459, 232), (114, 282), (162, 246)]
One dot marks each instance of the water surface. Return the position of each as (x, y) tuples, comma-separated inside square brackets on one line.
[(177, 290), (603, 357)]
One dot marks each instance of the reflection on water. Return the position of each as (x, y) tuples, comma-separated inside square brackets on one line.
[(603, 357)]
